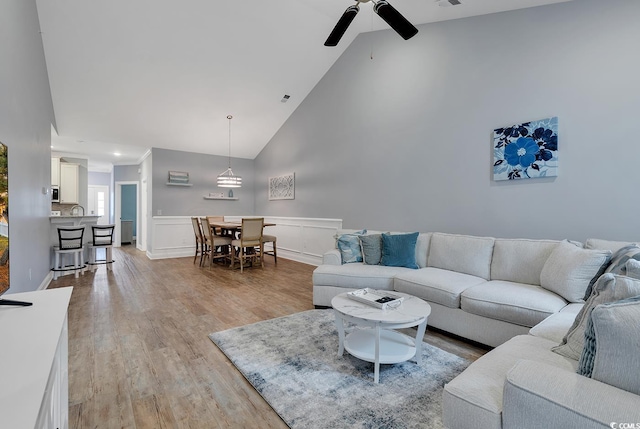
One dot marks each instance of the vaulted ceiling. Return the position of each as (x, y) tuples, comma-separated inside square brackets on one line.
[(128, 75)]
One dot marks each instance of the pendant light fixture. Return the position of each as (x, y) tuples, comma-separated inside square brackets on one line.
[(227, 179)]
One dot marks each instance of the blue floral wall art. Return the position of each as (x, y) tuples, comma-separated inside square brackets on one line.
[(526, 151)]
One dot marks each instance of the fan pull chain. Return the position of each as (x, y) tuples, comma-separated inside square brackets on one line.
[(371, 56)]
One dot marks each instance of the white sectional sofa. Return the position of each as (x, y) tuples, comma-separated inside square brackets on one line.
[(481, 288), (518, 295)]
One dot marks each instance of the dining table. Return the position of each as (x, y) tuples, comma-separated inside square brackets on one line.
[(231, 228)]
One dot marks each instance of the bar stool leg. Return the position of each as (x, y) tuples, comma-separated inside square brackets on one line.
[(56, 266), (109, 256)]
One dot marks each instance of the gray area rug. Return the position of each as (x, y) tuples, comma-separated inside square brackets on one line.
[(293, 363)]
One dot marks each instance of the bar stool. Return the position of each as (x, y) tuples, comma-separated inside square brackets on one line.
[(70, 242), (102, 239)]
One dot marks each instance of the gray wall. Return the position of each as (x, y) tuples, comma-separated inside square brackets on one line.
[(26, 115), (404, 141), (100, 179), (203, 171), (126, 173)]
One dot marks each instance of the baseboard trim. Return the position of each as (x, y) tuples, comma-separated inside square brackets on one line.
[(46, 282)]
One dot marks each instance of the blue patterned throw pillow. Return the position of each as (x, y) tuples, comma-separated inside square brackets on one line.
[(349, 247), (399, 250)]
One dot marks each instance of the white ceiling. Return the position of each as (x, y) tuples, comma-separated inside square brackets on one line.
[(128, 75)]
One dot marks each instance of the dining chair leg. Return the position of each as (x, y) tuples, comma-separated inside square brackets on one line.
[(241, 258), (262, 255), (233, 256), (275, 253)]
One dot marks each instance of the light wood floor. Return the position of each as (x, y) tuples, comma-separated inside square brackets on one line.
[(139, 354)]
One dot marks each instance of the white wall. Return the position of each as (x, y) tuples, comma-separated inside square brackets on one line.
[(404, 141), (26, 115)]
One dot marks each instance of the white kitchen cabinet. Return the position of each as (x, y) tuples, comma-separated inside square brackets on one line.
[(69, 192), (34, 361), (55, 171)]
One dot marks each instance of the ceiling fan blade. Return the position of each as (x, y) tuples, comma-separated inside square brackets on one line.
[(342, 25), (396, 21)]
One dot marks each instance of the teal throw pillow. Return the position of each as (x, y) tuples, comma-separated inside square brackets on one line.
[(349, 247), (371, 248), (399, 250)]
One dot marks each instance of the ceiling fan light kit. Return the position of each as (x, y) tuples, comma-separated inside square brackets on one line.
[(384, 10)]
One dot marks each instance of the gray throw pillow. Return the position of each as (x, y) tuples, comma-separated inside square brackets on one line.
[(633, 268), (612, 349), (371, 248), (617, 263), (608, 288), (620, 258), (570, 270)]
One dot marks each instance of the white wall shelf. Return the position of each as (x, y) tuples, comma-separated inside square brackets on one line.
[(221, 198), (179, 184)]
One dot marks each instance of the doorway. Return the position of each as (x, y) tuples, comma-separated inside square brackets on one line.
[(127, 212)]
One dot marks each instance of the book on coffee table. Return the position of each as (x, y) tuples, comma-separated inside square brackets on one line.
[(376, 298)]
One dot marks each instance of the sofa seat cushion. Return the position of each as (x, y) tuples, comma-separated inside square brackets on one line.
[(357, 276), (556, 326), (474, 398), (518, 303), (436, 285)]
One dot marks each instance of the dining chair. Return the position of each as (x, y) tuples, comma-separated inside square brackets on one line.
[(250, 238), (266, 238), (217, 246), (216, 219), (197, 230)]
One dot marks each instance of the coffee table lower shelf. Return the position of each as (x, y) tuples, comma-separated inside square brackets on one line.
[(394, 346)]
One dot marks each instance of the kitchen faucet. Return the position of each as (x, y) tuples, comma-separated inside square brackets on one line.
[(74, 210)]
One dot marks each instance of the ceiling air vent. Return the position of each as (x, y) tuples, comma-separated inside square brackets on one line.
[(446, 3)]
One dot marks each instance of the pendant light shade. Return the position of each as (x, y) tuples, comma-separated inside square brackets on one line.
[(227, 179)]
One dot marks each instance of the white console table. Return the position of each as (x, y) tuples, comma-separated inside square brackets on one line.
[(34, 392)]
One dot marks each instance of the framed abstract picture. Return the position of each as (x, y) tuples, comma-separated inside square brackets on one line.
[(526, 151), (282, 187)]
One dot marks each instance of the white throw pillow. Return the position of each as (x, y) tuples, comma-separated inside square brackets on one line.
[(570, 269)]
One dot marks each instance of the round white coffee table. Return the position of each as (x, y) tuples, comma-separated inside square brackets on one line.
[(378, 342)]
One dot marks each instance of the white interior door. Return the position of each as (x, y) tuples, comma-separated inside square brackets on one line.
[(98, 203)]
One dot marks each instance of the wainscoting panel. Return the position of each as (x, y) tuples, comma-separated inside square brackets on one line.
[(300, 239), (172, 237)]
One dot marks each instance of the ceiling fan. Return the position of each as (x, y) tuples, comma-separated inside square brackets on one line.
[(387, 12)]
